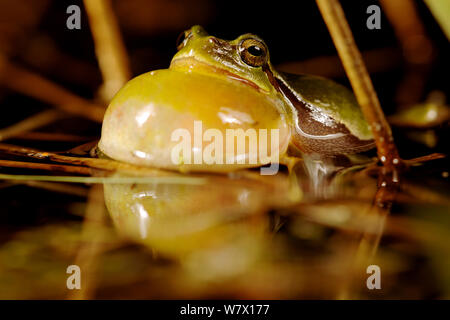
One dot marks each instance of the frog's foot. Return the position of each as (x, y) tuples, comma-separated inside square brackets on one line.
[(290, 162), (295, 190)]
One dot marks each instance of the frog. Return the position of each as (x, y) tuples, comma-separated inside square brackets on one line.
[(230, 84)]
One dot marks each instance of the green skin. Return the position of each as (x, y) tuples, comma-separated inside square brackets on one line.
[(213, 80), (326, 116)]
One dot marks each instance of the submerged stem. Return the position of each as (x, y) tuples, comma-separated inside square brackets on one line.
[(45, 166)]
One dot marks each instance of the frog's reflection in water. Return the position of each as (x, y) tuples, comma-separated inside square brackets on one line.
[(179, 218), (317, 173), (222, 226)]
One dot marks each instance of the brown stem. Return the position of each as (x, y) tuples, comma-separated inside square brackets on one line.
[(109, 48), (417, 49), (429, 157), (377, 60), (102, 164), (93, 243), (342, 36), (45, 166), (409, 29), (31, 84), (355, 68), (35, 121), (55, 187), (48, 136)]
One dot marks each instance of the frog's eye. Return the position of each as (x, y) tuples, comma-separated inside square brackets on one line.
[(182, 39), (253, 52)]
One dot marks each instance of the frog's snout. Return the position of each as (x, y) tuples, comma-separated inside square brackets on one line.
[(189, 35), (198, 31)]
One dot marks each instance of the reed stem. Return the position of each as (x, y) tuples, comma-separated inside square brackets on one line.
[(109, 47), (34, 85), (355, 68)]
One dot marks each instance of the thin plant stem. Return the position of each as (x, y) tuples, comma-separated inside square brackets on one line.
[(34, 85), (102, 164), (93, 243), (48, 136), (388, 181), (428, 157), (418, 50), (109, 47), (409, 29), (350, 55), (441, 9), (56, 187), (181, 180), (377, 60), (35, 121), (45, 166)]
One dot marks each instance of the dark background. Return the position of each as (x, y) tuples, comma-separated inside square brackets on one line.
[(293, 30)]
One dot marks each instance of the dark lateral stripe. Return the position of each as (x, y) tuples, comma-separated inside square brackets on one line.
[(348, 143)]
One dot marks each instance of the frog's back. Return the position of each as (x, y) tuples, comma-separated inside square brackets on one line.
[(328, 117)]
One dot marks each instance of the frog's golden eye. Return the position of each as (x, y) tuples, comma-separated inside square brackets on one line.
[(182, 39), (253, 52)]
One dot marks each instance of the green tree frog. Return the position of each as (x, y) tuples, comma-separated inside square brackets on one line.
[(229, 85)]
